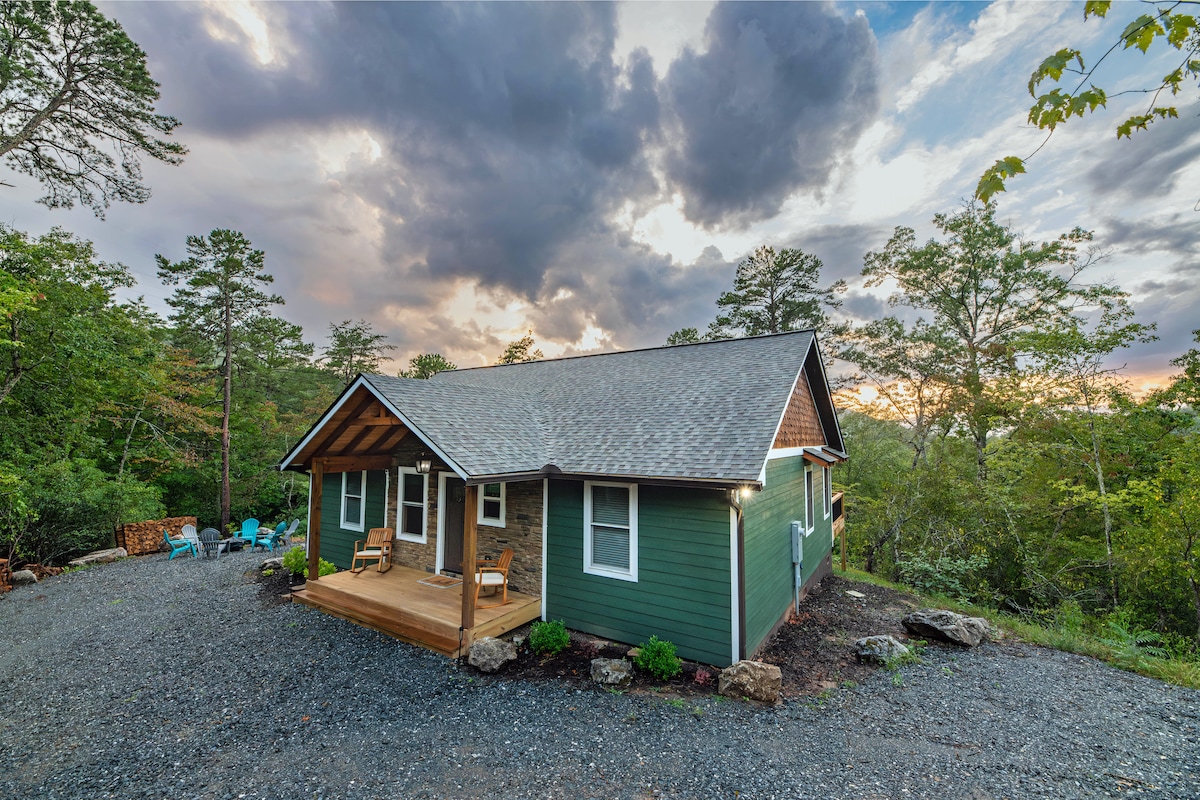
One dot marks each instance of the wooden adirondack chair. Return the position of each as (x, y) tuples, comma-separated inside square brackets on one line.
[(377, 547), (495, 575)]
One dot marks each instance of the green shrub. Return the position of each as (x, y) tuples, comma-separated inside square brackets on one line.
[(958, 578), (658, 658), (295, 561), (549, 638)]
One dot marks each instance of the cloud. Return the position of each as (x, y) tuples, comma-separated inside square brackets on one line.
[(781, 90), (1148, 164)]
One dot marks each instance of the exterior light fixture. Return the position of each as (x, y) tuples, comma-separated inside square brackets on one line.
[(423, 464)]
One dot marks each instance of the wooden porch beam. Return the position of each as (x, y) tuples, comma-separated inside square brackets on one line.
[(387, 443), (328, 441), (376, 422), (468, 563), (314, 519), (352, 447), (354, 463)]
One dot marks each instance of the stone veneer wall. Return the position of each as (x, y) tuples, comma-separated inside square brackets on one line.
[(522, 531)]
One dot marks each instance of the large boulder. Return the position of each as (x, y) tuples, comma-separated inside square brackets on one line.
[(490, 654), (612, 671), (946, 626), (23, 576), (752, 679), (880, 649), (99, 557), (272, 563)]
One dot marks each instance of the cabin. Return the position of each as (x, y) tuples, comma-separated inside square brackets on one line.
[(684, 492)]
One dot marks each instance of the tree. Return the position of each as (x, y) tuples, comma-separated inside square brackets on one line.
[(1056, 106), (775, 292), (426, 365), (74, 93), (59, 297), (684, 336), (907, 367), (520, 350), (353, 348), (995, 303), (220, 305)]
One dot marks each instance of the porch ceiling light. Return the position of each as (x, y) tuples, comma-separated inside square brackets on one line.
[(423, 464)]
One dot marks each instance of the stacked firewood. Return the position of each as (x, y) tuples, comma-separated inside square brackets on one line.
[(140, 538)]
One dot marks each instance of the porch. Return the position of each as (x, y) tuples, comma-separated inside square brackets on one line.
[(398, 604)]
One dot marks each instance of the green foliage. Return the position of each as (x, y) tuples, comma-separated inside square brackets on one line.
[(353, 348), (1052, 108), (520, 350), (775, 292), (268, 573), (684, 336), (75, 88), (426, 365), (548, 637), (657, 657), (945, 575), (295, 561), (222, 316)]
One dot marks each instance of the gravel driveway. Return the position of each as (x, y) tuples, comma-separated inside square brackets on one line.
[(149, 678)]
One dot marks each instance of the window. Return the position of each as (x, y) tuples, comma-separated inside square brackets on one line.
[(354, 487), (491, 504), (827, 482), (411, 505), (809, 515), (610, 530)]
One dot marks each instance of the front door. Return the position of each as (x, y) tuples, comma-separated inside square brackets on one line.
[(455, 504)]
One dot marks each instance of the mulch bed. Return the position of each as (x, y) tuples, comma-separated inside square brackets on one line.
[(813, 650)]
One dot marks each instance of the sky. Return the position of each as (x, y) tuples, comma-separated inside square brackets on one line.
[(459, 174)]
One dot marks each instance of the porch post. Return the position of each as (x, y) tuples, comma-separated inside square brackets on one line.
[(468, 565), (314, 518)]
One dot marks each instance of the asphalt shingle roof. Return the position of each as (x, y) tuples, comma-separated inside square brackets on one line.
[(705, 411)]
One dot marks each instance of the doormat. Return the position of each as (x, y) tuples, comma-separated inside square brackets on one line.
[(440, 581)]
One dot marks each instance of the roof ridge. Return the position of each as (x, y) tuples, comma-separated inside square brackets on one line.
[(812, 331)]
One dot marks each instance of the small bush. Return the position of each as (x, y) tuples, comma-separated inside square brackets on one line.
[(658, 658), (549, 638), (296, 562)]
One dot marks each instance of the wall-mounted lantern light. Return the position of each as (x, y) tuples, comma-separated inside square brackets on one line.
[(423, 464)]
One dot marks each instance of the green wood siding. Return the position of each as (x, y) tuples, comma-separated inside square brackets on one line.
[(337, 543), (683, 588), (768, 519)]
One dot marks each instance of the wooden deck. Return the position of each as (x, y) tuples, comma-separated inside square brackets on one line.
[(395, 603)]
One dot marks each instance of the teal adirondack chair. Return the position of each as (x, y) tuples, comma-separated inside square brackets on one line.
[(178, 545), (251, 535), (276, 538)]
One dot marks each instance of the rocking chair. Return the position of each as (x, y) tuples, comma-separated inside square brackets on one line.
[(378, 547), (495, 575)]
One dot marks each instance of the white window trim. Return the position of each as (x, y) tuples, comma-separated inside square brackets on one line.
[(827, 490), (492, 522), (362, 505), (810, 501), (400, 534), (604, 571)]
